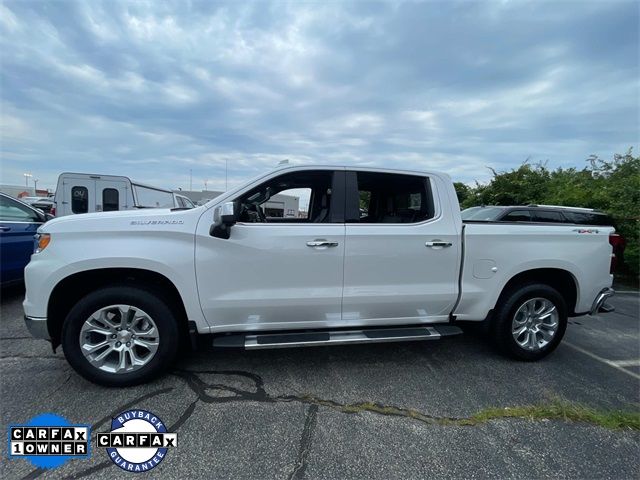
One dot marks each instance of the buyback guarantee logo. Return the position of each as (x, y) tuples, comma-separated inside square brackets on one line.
[(138, 440), (49, 440)]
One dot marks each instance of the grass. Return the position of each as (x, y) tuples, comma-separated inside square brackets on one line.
[(553, 410), (566, 411)]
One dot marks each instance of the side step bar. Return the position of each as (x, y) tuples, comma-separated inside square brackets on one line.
[(336, 337)]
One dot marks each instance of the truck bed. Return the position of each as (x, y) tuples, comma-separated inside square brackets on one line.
[(494, 252)]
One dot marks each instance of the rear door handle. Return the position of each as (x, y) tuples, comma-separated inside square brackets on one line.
[(321, 243), (438, 244)]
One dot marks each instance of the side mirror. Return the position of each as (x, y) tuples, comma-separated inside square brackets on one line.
[(48, 216), (224, 217)]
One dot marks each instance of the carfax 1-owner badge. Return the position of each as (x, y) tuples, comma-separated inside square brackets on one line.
[(138, 440), (49, 440)]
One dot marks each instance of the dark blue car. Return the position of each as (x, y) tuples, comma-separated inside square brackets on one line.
[(18, 225)]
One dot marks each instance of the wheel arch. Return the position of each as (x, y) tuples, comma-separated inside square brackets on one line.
[(561, 280), (72, 288)]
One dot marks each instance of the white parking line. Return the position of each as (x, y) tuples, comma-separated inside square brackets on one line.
[(611, 363), (626, 363)]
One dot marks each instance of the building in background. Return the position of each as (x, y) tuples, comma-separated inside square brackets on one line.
[(17, 191), (283, 206)]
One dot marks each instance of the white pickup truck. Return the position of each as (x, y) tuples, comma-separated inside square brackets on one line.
[(374, 255)]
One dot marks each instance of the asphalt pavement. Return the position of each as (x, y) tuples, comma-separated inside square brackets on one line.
[(365, 411)]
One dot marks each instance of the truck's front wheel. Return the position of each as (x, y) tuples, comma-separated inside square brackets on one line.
[(530, 321), (120, 336)]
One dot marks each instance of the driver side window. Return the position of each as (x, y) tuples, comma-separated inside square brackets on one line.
[(12, 211), (298, 197)]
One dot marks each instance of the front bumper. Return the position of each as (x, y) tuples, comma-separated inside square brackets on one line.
[(599, 305), (37, 327)]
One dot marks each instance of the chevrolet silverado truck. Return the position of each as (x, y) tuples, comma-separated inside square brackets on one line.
[(371, 255)]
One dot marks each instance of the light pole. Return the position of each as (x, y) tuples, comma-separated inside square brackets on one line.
[(205, 185), (226, 176), (190, 179), (35, 184), (26, 179)]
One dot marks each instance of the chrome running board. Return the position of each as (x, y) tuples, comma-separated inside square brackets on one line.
[(336, 337)]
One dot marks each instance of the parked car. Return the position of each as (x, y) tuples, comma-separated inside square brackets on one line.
[(548, 214), (118, 290), (18, 224), (537, 213), (87, 193), (46, 204)]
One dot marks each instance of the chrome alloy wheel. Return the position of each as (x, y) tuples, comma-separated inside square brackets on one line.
[(535, 323), (119, 339)]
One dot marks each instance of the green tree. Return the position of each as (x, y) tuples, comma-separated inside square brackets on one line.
[(462, 191), (612, 186)]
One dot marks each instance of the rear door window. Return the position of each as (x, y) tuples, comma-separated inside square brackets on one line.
[(588, 218), (392, 198), (79, 199), (517, 216), (548, 216)]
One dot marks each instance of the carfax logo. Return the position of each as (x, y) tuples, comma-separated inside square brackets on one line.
[(49, 440), (138, 440)]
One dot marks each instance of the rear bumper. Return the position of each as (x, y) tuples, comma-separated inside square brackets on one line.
[(598, 302), (37, 327)]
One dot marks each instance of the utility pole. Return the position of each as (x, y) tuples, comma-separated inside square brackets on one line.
[(205, 185), (226, 175), (190, 179)]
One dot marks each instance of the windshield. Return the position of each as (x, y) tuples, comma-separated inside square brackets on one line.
[(482, 214)]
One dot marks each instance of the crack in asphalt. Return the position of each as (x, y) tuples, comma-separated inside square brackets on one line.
[(209, 393), (200, 388), (171, 428), (39, 471), (305, 443)]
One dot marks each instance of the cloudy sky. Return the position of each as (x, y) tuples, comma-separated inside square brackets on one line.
[(153, 90)]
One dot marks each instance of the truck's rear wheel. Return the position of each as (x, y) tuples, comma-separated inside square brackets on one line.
[(530, 321), (120, 336)]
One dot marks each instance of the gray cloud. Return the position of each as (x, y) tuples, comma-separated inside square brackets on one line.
[(152, 90)]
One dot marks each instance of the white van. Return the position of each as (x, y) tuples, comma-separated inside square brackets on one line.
[(85, 193)]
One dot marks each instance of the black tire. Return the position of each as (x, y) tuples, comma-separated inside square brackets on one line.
[(508, 305), (147, 300)]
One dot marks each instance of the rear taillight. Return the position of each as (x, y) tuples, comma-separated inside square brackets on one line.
[(53, 211), (616, 241)]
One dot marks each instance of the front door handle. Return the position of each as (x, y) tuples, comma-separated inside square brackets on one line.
[(321, 243), (438, 244), (4, 228)]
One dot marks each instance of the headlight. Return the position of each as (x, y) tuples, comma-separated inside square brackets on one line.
[(42, 241)]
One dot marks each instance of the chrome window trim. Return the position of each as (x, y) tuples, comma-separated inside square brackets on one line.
[(434, 192)]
